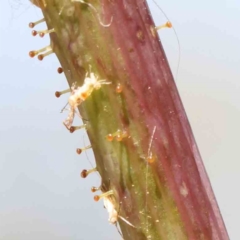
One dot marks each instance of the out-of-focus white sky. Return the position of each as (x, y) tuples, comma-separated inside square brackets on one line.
[(41, 193)]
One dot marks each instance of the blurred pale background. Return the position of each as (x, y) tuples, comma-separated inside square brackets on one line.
[(41, 193)]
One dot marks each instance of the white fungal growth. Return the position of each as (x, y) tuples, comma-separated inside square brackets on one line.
[(80, 94), (113, 214), (69, 120)]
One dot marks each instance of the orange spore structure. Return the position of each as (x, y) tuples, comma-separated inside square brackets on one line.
[(84, 95), (119, 88), (41, 34), (94, 189), (31, 25), (119, 138), (84, 173), (72, 129), (33, 53), (59, 70), (40, 57), (168, 24), (96, 198), (151, 159), (57, 94), (119, 135), (34, 33), (109, 137), (79, 151)]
